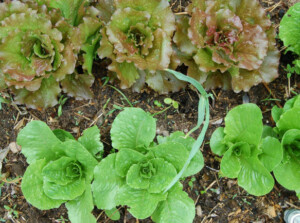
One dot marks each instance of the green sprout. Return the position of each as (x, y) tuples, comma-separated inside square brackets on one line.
[(62, 100), (171, 103), (12, 211)]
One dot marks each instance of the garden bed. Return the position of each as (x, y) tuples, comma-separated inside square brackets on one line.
[(216, 199)]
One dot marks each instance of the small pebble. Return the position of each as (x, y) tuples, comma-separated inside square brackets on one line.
[(199, 211), (14, 147), (165, 133)]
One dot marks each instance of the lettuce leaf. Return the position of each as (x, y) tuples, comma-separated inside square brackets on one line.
[(289, 30)]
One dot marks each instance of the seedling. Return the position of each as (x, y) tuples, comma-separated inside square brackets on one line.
[(12, 212), (172, 104), (62, 100)]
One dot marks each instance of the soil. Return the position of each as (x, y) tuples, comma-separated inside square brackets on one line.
[(217, 199)]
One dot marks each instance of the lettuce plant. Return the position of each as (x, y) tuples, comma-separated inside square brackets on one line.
[(139, 174), (60, 169), (289, 31), (137, 39), (39, 53), (227, 43), (249, 154), (79, 13), (288, 130)]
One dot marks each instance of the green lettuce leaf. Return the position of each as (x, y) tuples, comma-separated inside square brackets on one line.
[(268, 131), (289, 30), (79, 209), (276, 113), (61, 169), (125, 159), (272, 153), (287, 172), (177, 208), (113, 214), (63, 135), (254, 177), (107, 183), (133, 129), (141, 203), (174, 153), (90, 139), (69, 191), (230, 164), (217, 142), (197, 162), (289, 120), (69, 8), (32, 187), (39, 142), (244, 124), (249, 152)]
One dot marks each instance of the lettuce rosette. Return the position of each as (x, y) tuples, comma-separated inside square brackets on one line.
[(227, 43), (249, 152), (137, 39), (139, 174), (60, 169), (288, 130), (39, 53)]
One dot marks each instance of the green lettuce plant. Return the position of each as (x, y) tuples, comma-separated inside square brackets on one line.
[(288, 131), (137, 39), (289, 30), (289, 33), (139, 174), (249, 153), (227, 43), (60, 169)]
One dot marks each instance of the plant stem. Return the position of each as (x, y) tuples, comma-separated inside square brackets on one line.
[(162, 111)]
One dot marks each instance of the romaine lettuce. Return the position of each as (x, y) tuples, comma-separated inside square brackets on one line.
[(247, 155), (139, 173), (60, 169)]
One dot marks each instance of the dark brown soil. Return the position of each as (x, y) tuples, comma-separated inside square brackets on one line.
[(217, 199)]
